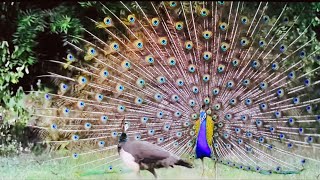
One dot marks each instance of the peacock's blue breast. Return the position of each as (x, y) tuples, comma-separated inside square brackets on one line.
[(202, 147)]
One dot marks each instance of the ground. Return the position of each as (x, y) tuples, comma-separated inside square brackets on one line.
[(24, 167)]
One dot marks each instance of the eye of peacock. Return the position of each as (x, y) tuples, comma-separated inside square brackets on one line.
[(104, 118), (261, 43), (237, 130), (75, 155), (107, 21), (54, 126), (261, 139), (101, 143), (302, 54), (192, 103), (75, 137), (271, 129), (244, 20), (173, 4), (307, 82), (195, 89), (291, 120), (47, 96), (258, 122), (70, 57), (180, 82), (204, 12), (310, 139)]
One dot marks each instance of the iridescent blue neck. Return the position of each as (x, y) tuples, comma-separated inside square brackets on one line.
[(202, 147)]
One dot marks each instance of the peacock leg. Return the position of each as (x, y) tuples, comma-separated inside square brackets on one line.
[(202, 161), (215, 167)]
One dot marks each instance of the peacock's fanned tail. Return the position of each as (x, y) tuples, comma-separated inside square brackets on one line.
[(158, 66)]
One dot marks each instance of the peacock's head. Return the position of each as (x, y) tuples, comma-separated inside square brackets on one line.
[(204, 108)]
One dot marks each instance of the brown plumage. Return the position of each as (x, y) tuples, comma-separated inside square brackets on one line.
[(147, 156)]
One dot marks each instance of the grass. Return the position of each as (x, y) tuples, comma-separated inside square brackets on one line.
[(25, 167)]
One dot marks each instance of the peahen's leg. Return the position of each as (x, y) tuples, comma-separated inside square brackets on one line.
[(153, 172), (137, 171), (138, 174)]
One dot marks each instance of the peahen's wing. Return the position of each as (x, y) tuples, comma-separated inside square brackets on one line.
[(145, 151)]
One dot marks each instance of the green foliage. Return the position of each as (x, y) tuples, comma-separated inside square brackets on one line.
[(88, 4), (306, 26), (9, 145), (29, 25), (62, 21), (18, 53), (11, 68)]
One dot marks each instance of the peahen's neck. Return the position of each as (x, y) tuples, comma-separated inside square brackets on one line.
[(202, 147)]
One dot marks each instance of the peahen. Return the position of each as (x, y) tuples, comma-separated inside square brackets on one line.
[(143, 155), (210, 80)]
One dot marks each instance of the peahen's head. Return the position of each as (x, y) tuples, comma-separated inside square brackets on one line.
[(122, 140), (123, 137), (125, 127)]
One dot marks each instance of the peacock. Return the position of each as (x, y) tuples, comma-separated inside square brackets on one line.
[(203, 80)]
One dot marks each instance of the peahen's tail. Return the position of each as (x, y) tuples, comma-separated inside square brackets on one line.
[(181, 162)]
